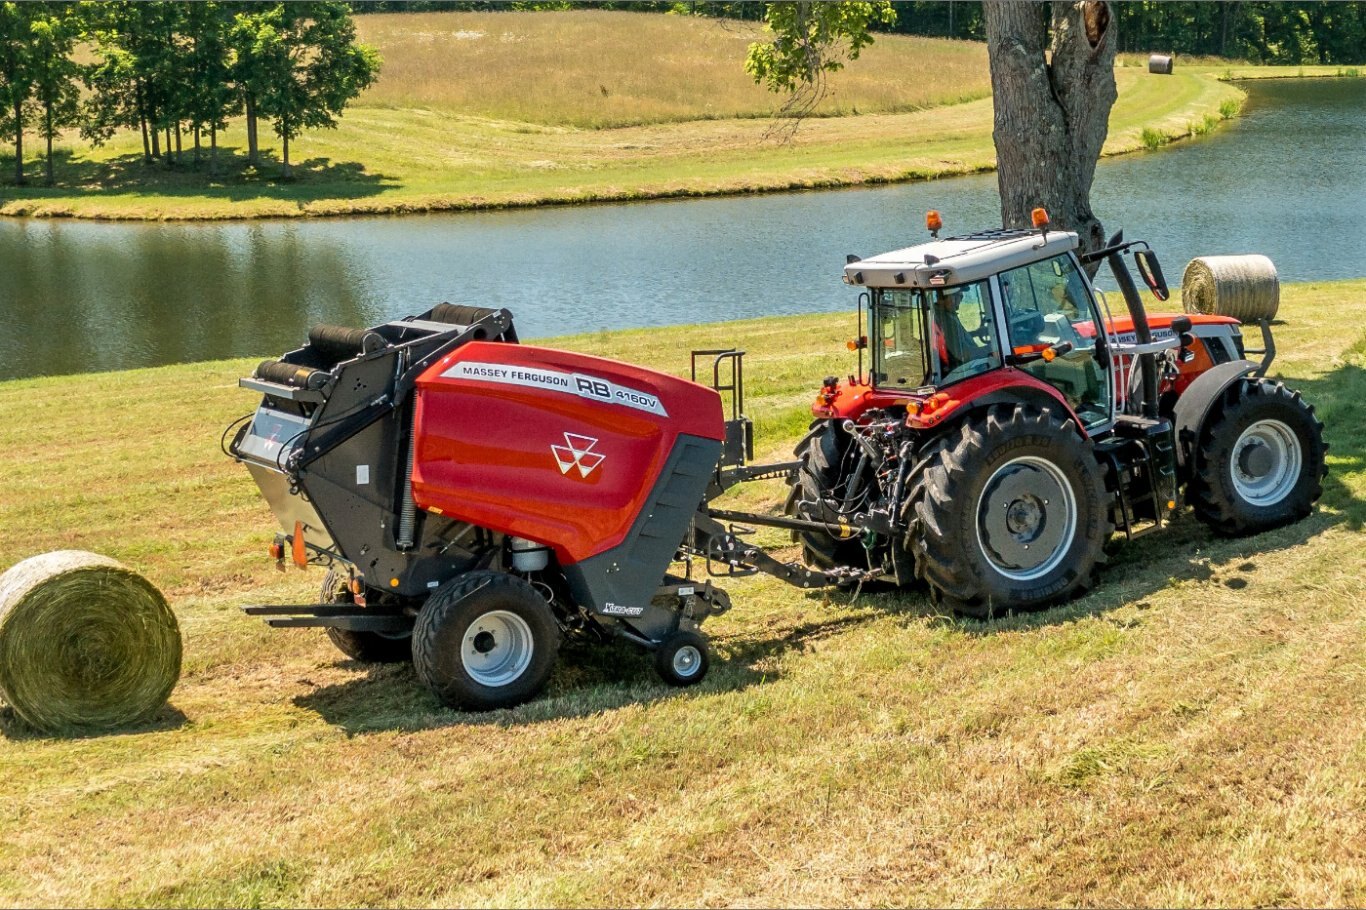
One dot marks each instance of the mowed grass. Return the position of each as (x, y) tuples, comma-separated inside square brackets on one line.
[(1193, 732), (458, 122), (595, 69)]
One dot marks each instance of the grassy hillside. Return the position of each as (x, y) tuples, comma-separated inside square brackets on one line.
[(1193, 732), (485, 110)]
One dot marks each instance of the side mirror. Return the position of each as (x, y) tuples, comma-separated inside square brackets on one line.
[(1151, 270)]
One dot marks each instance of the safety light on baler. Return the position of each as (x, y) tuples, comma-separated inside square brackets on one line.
[(857, 344), (277, 551), (934, 223), (1040, 218)]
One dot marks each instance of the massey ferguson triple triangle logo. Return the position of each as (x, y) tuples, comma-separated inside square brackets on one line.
[(577, 452)]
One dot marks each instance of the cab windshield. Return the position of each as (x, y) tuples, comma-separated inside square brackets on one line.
[(932, 337)]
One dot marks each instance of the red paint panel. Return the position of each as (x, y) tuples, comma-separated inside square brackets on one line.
[(557, 447)]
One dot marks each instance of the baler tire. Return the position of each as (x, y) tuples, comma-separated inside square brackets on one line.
[(1022, 452), (824, 460), (366, 647), (683, 658), (517, 617), (1249, 413)]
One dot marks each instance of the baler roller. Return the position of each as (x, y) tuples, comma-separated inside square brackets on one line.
[(291, 374), (336, 342), (458, 314)]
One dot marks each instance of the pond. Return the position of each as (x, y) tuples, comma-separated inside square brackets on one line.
[(1285, 179)]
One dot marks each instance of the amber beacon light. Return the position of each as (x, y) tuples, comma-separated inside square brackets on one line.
[(1040, 218)]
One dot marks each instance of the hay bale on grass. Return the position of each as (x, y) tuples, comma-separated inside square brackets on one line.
[(1244, 287), (84, 642)]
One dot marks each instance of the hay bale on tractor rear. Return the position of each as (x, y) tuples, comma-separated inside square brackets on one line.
[(85, 642), (1244, 287)]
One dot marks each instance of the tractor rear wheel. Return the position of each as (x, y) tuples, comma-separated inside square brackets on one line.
[(1260, 461), (829, 461), (1009, 513), (366, 647), (485, 640)]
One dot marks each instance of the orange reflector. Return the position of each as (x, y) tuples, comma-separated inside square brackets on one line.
[(277, 551), (1040, 218), (851, 345), (933, 222), (1048, 355), (393, 582), (300, 553), (357, 587)]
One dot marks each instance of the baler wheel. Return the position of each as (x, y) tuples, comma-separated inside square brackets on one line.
[(1009, 513), (1260, 462), (828, 458), (485, 640), (682, 658), (366, 647)]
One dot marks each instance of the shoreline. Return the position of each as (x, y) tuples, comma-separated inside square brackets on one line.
[(737, 160)]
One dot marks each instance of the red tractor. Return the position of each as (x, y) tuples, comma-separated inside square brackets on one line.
[(477, 500), (1009, 423)]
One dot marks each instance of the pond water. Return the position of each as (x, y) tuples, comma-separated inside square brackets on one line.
[(1285, 179)]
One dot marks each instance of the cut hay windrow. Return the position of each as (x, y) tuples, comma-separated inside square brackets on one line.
[(85, 643), (1244, 287)]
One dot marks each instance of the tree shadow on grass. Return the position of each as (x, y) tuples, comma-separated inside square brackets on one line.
[(16, 729), (230, 178)]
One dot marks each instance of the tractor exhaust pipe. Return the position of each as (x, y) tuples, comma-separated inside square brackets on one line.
[(1147, 363)]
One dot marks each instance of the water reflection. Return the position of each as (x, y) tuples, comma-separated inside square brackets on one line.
[(1285, 180)]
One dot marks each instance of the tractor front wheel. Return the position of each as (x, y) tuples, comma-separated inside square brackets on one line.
[(1009, 513), (484, 641), (1260, 462), (366, 647)]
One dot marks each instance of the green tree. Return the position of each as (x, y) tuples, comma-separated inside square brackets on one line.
[(308, 66), (212, 97), (136, 81), (16, 77), (55, 28)]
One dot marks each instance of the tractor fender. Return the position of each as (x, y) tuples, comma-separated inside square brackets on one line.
[(1007, 386), (1188, 417)]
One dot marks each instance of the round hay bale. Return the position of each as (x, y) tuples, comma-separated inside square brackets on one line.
[(84, 642), (1244, 287), (1161, 64)]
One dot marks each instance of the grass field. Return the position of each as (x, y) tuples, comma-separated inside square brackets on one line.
[(1193, 732), (502, 109)]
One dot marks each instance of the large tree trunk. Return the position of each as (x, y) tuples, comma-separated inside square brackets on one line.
[(142, 122), (285, 171), (1053, 81)]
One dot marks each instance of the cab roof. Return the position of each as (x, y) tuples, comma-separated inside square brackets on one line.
[(958, 260)]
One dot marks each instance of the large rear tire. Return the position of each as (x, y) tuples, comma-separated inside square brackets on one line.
[(1260, 462), (366, 647), (829, 459), (484, 641), (1009, 513)]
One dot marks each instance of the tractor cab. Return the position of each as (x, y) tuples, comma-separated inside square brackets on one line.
[(953, 311)]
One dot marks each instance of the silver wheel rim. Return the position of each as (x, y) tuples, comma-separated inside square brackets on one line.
[(1026, 518), (1266, 462), (687, 661), (497, 648)]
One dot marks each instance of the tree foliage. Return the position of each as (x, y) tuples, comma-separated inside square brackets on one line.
[(164, 68)]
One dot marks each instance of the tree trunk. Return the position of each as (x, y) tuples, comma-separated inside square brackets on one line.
[(177, 141), (1053, 90), (51, 180), (156, 136), (285, 172), (18, 144), (168, 146), (142, 122), (252, 158), (197, 156), (213, 148)]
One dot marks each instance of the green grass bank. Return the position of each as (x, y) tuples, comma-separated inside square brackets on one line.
[(490, 110), (1193, 732)]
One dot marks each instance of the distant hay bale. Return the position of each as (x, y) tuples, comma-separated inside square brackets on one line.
[(1161, 64), (1244, 287), (85, 643)]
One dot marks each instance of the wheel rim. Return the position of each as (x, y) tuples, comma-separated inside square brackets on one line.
[(1266, 462), (497, 648), (1026, 518), (687, 661)]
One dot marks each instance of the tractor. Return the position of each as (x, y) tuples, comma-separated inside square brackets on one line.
[(476, 501), (1009, 423)]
